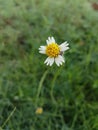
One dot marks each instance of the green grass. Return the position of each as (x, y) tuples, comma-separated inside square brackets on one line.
[(67, 94)]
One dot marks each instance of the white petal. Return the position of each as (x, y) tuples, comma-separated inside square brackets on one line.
[(42, 52), (64, 46), (52, 39), (49, 61), (49, 40), (42, 49), (59, 60)]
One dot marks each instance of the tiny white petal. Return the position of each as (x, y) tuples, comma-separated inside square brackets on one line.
[(64, 49), (42, 52), (49, 61), (64, 46), (52, 39), (49, 40), (42, 49), (59, 60)]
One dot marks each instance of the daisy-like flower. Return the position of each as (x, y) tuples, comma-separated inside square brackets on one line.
[(54, 51)]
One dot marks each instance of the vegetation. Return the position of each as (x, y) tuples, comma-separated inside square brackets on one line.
[(34, 96)]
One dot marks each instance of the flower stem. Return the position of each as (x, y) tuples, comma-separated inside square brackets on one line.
[(40, 85), (8, 118), (53, 84)]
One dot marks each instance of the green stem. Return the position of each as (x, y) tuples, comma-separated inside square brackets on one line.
[(8, 118), (53, 83), (40, 85)]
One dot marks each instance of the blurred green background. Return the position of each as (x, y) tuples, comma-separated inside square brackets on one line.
[(68, 94)]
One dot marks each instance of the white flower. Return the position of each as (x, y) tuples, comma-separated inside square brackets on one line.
[(54, 51)]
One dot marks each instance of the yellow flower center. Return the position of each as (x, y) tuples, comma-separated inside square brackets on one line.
[(52, 50)]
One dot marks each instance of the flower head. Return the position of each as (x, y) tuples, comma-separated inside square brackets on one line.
[(39, 110), (54, 51)]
